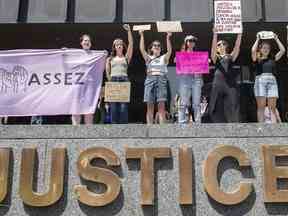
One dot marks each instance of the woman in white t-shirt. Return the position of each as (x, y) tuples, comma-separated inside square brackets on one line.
[(156, 80)]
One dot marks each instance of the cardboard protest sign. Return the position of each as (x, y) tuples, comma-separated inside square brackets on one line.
[(192, 63), (141, 27), (117, 92), (266, 35), (228, 16), (169, 26)]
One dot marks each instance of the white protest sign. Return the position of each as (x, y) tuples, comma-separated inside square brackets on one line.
[(266, 35), (169, 26), (141, 27), (228, 16)]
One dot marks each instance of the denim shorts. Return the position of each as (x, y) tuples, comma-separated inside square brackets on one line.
[(266, 86), (155, 88)]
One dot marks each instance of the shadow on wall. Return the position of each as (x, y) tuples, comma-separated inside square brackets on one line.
[(112, 209), (190, 210), (160, 164), (6, 204), (242, 208), (58, 208)]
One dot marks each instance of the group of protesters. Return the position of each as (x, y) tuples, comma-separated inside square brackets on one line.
[(223, 101)]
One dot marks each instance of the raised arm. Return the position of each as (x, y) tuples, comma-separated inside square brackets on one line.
[(108, 68), (129, 53), (281, 48), (214, 47), (236, 50), (254, 49), (169, 47), (142, 46)]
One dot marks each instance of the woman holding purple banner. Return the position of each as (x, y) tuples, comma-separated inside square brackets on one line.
[(223, 106), (156, 81), (189, 85), (117, 71), (85, 42)]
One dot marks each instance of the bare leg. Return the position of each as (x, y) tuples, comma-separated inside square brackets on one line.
[(261, 104), (162, 112), (76, 119), (272, 107), (150, 113), (88, 119)]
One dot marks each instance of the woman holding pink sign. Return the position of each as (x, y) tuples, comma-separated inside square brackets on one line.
[(223, 105), (156, 80), (190, 85)]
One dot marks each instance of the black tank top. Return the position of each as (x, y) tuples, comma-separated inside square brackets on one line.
[(223, 69), (266, 66)]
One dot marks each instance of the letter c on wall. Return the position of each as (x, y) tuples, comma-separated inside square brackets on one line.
[(210, 175)]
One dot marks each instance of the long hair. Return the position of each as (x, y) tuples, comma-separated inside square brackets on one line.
[(259, 55), (226, 44), (150, 52), (113, 53), (184, 45), (84, 35)]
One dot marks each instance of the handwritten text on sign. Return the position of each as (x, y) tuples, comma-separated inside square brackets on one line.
[(192, 63), (228, 16), (117, 92)]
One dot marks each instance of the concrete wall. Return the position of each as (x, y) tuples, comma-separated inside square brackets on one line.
[(133, 10), (200, 138)]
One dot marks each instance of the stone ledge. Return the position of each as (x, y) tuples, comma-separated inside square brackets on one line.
[(143, 131)]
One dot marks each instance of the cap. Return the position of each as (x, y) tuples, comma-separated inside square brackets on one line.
[(190, 37)]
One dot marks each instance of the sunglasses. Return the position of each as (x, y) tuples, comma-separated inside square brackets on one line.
[(191, 41), (221, 44), (156, 45), (120, 44)]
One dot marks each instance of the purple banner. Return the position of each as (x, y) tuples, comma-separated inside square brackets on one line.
[(50, 82), (192, 63)]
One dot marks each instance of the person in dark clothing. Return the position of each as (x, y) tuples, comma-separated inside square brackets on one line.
[(223, 106)]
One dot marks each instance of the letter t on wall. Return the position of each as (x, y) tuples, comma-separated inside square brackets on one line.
[(147, 157)]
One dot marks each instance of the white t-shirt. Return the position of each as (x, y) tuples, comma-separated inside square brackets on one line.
[(156, 65)]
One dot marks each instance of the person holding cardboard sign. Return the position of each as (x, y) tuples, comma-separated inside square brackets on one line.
[(156, 80), (223, 106), (117, 71), (265, 87)]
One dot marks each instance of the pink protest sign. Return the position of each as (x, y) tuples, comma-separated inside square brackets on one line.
[(192, 63)]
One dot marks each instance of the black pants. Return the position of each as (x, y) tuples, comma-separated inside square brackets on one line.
[(224, 105)]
